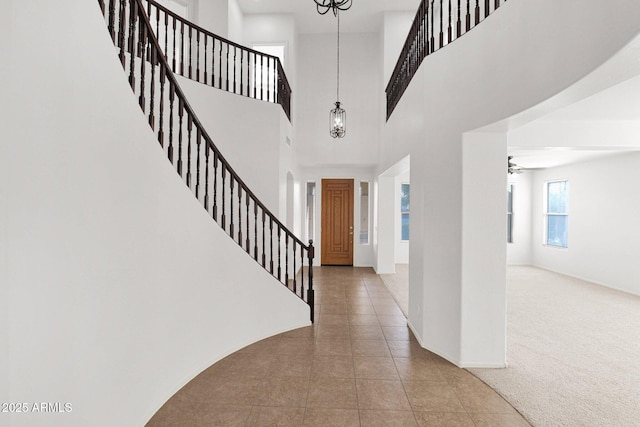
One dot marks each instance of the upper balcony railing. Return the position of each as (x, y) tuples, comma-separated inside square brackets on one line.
[(191, 151), (200, 55), (437, 23)]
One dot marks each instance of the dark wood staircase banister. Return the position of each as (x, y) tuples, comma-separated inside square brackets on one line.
[(275, 72), (140, 49), (427, 34)]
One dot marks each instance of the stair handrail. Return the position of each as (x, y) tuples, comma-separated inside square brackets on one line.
[(142, 47), (275, 79), (421, 40)]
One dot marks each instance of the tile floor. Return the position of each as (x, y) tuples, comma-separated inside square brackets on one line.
[(359, 365)]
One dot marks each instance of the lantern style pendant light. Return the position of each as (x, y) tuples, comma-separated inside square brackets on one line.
[(338, 116)]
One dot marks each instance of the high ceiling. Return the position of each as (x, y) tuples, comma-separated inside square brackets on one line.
[(365, 16)]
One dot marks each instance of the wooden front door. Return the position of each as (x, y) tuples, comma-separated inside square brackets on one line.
[(337, 222)]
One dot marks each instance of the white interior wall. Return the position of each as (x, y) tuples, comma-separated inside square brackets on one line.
[(604, 232), (109, 265), (443, 102), (213, 15), (385, 225), (235, 22), (483, 244), (359, 95)]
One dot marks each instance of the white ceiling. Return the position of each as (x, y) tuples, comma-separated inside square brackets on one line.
[(365, 16), (618, 103)]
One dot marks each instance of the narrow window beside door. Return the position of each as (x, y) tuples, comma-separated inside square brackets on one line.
[(364, 213), (404, 210)]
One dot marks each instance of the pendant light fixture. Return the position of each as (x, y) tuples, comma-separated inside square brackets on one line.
[(324, 6), (337, 116)]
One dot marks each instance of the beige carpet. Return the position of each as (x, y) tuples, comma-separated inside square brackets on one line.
[(573, 352)]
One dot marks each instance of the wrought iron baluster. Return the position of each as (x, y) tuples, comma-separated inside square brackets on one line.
[(132, 44), (227, 73), (279, 245), (206, 78), (231, 223), (215, 186), (121, 31), (190, 52), (264, 241), (161, 102), (112, 18), (181, 48), (286, 260), (433, 29), (189, 129), (152, 88), (198, 142), (174, 45), (239, 215), (248, 202), (180, 118), (235, 49), (224, 198), (142, 44), (468, 15), (241, 71), (449, 29), (458, 23), (172, 93), (295, 271), (271, 242), (255, 230), (441, 25), (220, 67), (197, 56), (206, 175)]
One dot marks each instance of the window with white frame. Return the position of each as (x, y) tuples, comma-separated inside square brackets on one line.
[(405, 191), (364, 212), (557, 214), (311, 210), (510, 189)]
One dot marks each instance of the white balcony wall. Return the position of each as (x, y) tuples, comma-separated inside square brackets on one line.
[(360, 77)]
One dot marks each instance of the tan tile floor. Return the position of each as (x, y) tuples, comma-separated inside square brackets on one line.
[(359, 365)]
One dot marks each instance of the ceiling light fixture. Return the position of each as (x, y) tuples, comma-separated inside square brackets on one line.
[(512, 167), (337, 116), (324, 6)]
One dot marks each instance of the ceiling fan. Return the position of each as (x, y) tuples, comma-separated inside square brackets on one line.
[(513, 168)]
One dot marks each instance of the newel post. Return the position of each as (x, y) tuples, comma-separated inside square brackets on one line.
[(310, 291)]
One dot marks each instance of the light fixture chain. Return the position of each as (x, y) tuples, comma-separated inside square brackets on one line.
[(338, 62)]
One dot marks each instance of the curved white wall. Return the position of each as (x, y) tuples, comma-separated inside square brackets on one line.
[(525, 53), (117, 287)]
